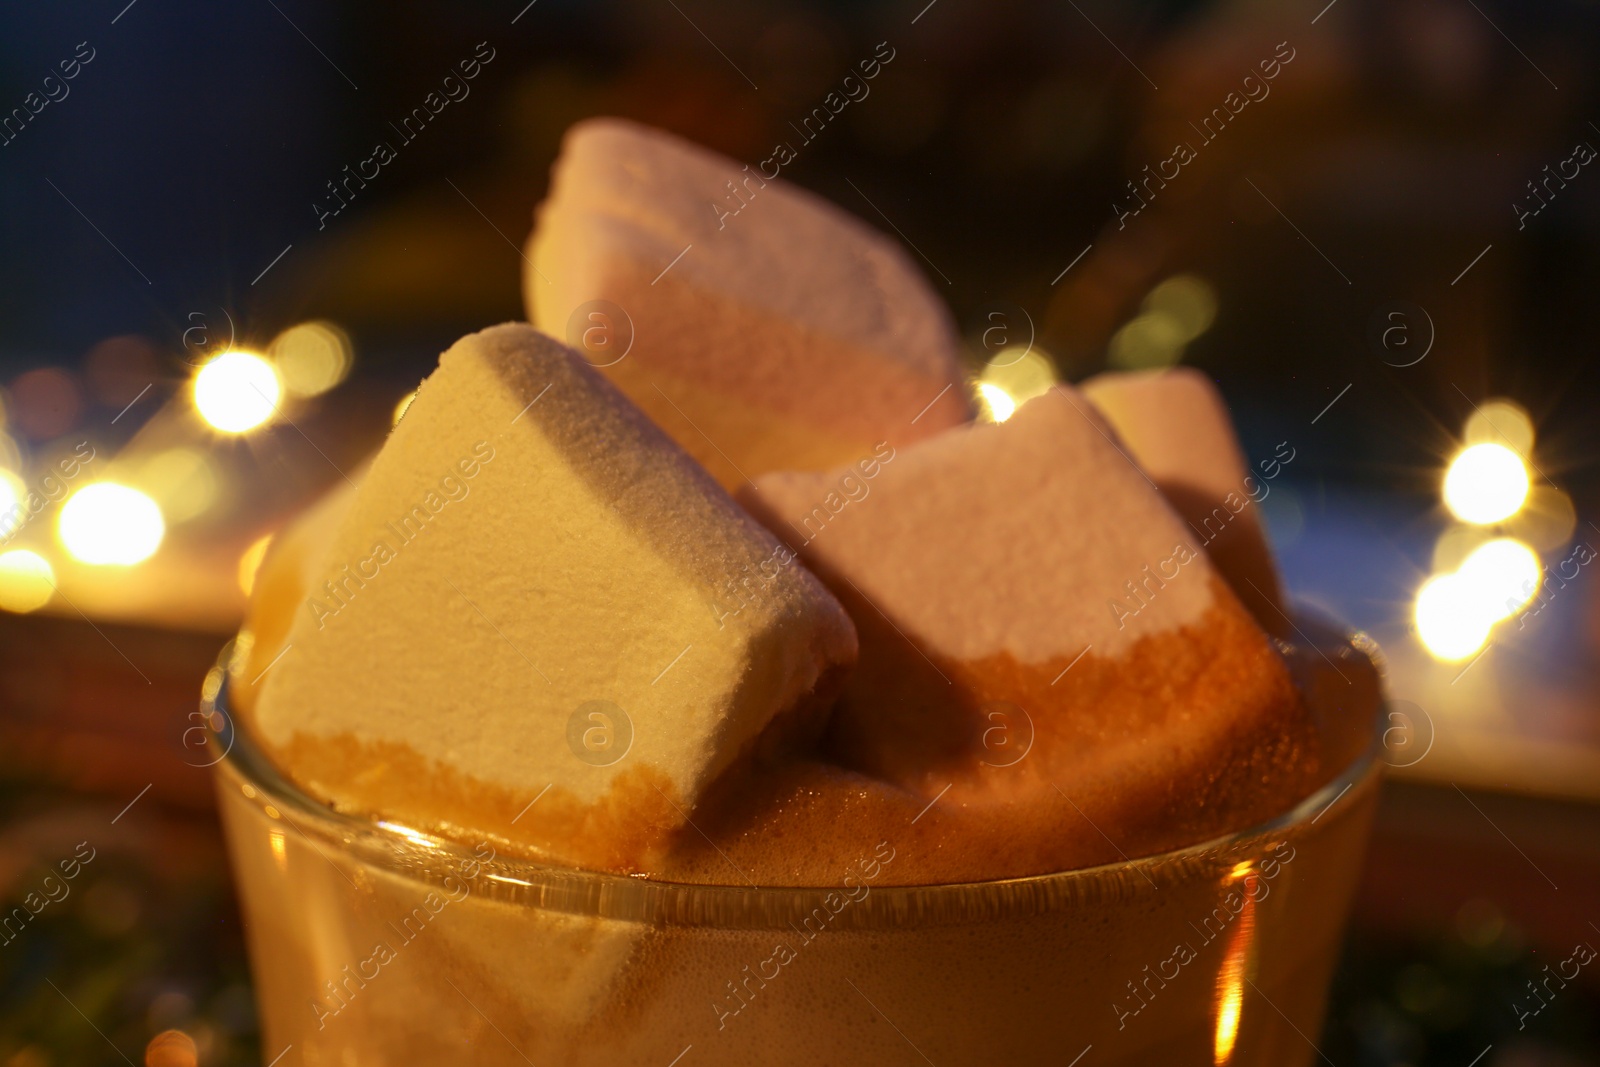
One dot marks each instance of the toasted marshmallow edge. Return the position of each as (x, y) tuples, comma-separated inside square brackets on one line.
[(1176, 425), (528, 543), (1027, 568), (791, 336)]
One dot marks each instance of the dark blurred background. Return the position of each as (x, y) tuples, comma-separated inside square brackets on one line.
[(1391, 237)]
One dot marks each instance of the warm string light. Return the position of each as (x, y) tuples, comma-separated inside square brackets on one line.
[(110, 524), (122, 523), (237, 391), (311, 358), (27, 581), (1485, 485), (1174, 313)]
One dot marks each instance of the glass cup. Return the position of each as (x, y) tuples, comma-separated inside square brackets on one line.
[(373, 943)]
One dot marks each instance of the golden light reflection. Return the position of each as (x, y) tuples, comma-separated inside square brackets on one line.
[(408, 833), (400, 408), (280, 849), (237, 391), (27, 581), (250, 563), (1236, 965), (312, 357), (1486, 483), (1228, 1022), (110, 524)]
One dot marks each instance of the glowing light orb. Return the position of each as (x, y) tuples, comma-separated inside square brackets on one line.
[(1020, 373), (311, 358), (27, 581), (237, 391), (1152, 340), (1547, 521), (998, 405), (12, 510), (1500, 422), (183, 481), (1188, 301), (400, 408), (1503, 575), (110, 524), (1452, 620), (1486, 483)]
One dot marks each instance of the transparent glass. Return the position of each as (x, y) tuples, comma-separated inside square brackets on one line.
[(373, 944)]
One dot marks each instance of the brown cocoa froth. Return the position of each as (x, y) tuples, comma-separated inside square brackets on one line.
[(1188, 736)]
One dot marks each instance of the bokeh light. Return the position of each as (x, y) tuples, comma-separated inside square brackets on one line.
[(27, 581), (1148, 342), (171, 1048), (1188, 301), (996, 405), (1455, 545), (45, 403), (1547, 521), (1450, 619), (1500, 422), (110, 524), (237, 391), (1014, 376), (400, 408), (311, 358), (1481, 582), (1486, 483), (183, 481), (1503, 575), (1174, 313), (250, 563), (120, 370), (13, 495)]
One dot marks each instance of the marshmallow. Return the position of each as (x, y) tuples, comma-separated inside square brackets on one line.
[(517, 634), (1175, 425), (760, 326), (1036, 624), (292, 565)]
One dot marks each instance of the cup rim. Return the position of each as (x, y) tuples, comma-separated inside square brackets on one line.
[(430, 858)]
